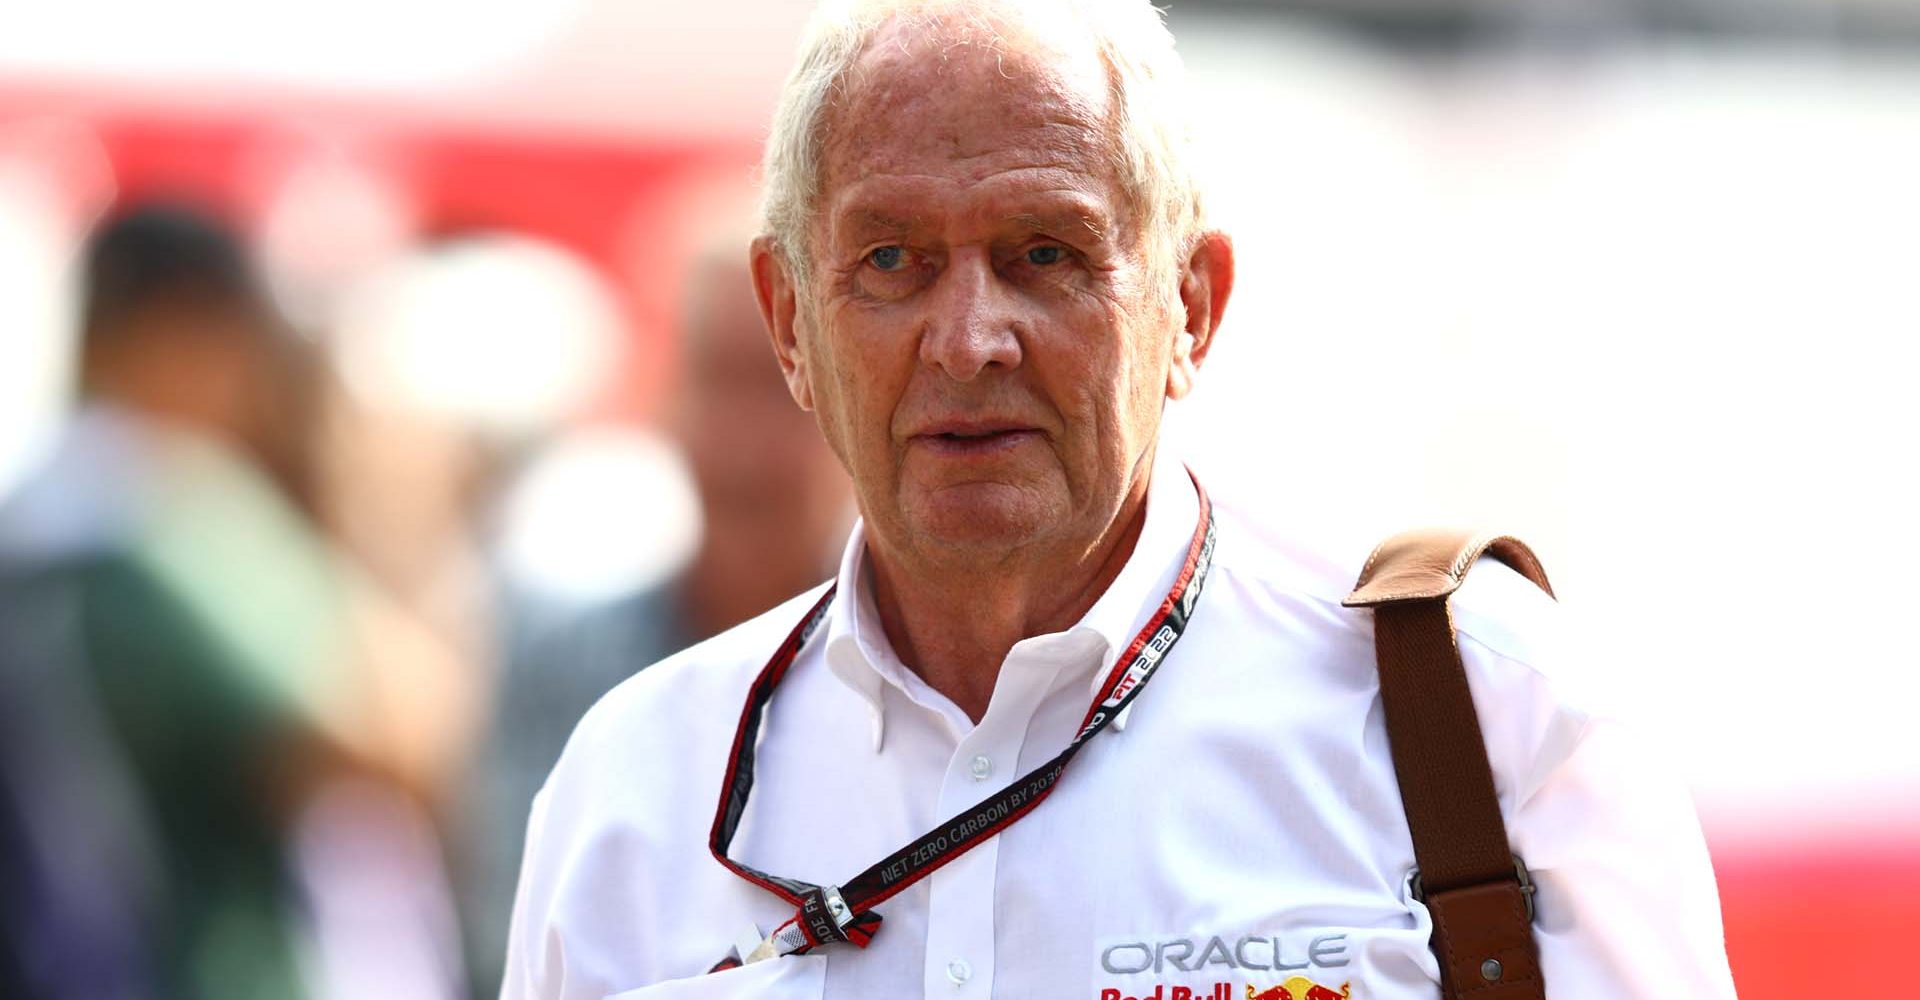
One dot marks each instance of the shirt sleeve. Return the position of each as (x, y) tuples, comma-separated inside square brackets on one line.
[(525, 977), (1627, 904)]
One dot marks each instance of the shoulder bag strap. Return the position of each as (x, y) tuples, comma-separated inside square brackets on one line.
[(1472, 883)]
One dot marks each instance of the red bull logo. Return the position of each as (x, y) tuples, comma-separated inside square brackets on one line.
[(1217, 991), (1300, 988)]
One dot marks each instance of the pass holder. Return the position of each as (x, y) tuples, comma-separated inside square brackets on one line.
[(746, 942)]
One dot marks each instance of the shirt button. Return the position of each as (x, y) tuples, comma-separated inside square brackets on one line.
[(981, 767), (959, 971)]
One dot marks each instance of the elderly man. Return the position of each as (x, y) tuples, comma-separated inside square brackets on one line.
[(985, 270)]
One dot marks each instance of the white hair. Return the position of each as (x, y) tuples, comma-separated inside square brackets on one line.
[(1150, 137)]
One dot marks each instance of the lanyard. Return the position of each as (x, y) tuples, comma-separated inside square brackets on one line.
[(828, 914)]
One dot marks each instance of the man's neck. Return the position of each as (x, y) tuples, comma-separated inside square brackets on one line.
[(954, 625)]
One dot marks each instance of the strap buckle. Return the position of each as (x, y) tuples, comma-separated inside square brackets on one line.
[(1520, 874)]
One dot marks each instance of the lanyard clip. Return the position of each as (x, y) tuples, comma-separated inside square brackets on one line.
[(825, 914), (837, 907)]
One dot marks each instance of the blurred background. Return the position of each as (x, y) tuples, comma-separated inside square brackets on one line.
[(380, 383)]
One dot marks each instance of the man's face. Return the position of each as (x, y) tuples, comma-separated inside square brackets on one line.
[(978, 336)]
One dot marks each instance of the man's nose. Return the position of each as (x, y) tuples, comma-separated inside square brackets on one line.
[(973, 326)]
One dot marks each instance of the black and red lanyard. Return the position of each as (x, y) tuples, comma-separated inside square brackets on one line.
[(826, 914)]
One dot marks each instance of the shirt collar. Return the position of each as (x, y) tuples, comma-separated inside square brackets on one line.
[(858, 653)]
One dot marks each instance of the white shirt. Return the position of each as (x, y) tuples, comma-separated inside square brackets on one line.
[(1239, 826)]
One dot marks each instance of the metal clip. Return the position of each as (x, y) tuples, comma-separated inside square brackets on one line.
[(837, 907), (1521, 875)]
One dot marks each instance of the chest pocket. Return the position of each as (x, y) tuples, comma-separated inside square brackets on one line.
[(795, 977)]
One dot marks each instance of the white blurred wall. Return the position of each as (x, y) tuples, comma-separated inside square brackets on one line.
[(1656, 310)]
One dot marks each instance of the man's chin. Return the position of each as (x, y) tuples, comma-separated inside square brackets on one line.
[(985, 519)]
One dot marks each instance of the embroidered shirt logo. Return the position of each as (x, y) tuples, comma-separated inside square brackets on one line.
[(1167, 969), (1300, 988)]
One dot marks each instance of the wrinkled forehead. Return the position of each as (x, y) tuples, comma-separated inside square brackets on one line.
[(939, 88)]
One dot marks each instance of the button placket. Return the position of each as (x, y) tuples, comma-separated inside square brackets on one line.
[(960, 900), (960, 928), (960, 952)]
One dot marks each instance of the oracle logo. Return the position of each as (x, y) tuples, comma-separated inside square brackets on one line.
[(1266, 954)]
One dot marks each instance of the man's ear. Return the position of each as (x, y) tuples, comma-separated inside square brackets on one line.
[(1206, 281), (773, 287)]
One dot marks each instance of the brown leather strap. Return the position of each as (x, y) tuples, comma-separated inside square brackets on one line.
[(1475, 888), (1433, 562)]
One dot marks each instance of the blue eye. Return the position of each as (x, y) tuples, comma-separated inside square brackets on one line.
[(888, 258), (1045, 255)]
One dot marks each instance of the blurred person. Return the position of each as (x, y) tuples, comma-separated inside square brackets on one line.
[(772, 498), (396, 491), (772, 502), (230, 654), (185, 592), (396, 484), (986, 270)]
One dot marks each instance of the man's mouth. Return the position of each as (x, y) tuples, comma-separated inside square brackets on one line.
[(965, 442)]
